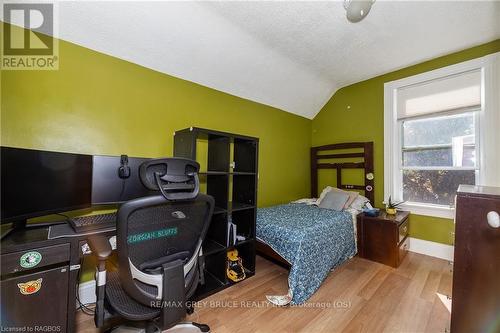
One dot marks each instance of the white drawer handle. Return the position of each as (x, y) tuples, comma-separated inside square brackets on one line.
[(493, 219)]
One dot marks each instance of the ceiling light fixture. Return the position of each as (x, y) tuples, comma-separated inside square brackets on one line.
[(356, 10)]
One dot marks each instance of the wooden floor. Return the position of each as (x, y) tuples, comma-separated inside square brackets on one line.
[(369, 297)]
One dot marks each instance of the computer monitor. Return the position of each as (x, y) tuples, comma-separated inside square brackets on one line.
[(109, 188), (36, 183)]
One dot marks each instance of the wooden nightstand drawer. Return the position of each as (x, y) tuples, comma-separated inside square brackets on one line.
[(403, 249), (403, 230)]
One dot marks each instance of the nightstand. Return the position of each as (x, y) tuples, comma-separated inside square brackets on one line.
[(384, 238)]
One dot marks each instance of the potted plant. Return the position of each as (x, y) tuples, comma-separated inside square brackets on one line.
[(391, 206)]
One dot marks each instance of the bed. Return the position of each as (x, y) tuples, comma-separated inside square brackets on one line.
[(309, 240)]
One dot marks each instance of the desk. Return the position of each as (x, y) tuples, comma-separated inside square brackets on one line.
[(63, 256)]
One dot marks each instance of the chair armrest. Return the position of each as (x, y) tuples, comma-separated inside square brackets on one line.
[(102, 250), (100, 247), (174, 294)]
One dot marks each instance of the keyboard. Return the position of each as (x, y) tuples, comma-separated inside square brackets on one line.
[(93, 222)]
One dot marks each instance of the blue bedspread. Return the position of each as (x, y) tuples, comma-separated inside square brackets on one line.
[(312, 239)]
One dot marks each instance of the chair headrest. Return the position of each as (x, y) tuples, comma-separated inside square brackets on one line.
[(176, 178)]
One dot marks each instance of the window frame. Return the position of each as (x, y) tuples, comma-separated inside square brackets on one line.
[(487, 122)]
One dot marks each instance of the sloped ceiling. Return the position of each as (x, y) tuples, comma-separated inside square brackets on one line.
[(290, 55)]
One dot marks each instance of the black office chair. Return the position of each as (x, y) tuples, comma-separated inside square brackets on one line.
[(158, 242)]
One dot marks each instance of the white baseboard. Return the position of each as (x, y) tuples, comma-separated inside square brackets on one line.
[(432, 249), (87, 292)]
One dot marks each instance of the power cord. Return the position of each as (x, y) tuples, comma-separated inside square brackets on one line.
[(81, 306), (122, 191)]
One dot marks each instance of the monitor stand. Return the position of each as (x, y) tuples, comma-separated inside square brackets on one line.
[(7, 229), (5, 232), (19, 225)]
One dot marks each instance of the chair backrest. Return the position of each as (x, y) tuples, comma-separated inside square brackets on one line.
[(153, 231)]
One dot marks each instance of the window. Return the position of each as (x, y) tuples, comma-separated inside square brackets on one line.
[(438, 136), (438, 154)]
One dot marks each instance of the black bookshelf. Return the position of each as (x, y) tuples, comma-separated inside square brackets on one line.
[(229, 173)]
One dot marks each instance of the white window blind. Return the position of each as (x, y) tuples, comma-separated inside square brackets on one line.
[(455, 92)]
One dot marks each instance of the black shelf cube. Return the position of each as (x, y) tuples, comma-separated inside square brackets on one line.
[(212, 285), (246, 251), (217, 187), (245, 155), (217, 231), (218, 153), (245, 222), (244, 190)]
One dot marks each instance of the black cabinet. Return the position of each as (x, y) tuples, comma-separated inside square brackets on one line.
[(37, 301), (35, 288), (56, 262), (229, 173)]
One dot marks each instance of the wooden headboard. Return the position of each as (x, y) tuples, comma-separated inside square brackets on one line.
[(363, 156)]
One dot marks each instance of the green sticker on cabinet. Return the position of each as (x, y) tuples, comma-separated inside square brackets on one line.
[(30, 259)]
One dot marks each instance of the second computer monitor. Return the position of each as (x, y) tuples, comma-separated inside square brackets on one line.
[(109, 188)]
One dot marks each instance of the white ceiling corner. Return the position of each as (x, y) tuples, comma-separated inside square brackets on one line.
[(289, 55)]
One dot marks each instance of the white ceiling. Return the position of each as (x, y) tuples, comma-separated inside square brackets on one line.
[(290, 55)]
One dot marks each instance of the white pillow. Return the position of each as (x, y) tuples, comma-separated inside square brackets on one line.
[(323, 193), (334, 200), (359, 202), (352, 195)]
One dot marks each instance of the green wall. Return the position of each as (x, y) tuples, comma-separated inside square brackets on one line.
[(99, 104), (364, 121)]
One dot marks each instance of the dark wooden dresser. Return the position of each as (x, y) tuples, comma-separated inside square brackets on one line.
[(476, 270), (383, 238)]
